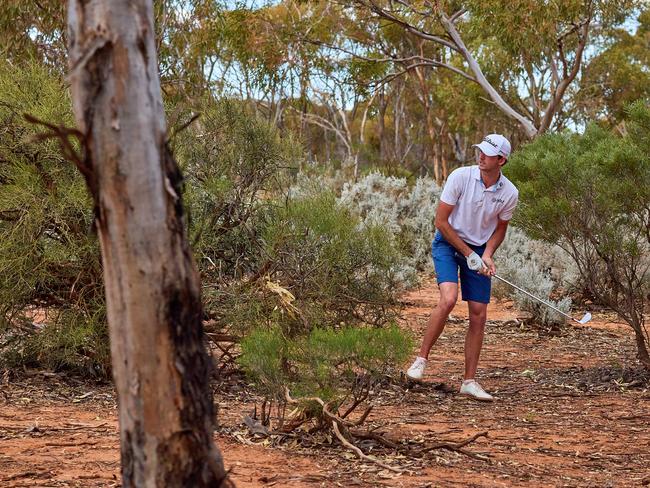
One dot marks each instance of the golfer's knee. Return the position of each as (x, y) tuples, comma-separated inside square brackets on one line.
[(447, 302), (478, 315)]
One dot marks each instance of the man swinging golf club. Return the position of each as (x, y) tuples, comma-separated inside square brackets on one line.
[(476, 204)]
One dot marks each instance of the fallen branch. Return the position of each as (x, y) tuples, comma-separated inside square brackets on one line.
[(222, 337), (358, 451), (382, 440), (338, 423), (451, 446), (26, 474), (456, 447), (76, 427), (328, 413)]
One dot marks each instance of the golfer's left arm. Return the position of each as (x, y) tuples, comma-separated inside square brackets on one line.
[(493, 244)]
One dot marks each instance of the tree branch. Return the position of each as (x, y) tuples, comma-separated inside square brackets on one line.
[(385, 14), (562, 86), (449, 26), (358, 451)]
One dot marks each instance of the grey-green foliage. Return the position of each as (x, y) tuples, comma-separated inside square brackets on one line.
[(588, 193), (49, 258), (406, 211), (327, 363), (539, 268)]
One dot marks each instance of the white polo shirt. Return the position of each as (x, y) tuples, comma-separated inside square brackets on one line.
[(477, 209)]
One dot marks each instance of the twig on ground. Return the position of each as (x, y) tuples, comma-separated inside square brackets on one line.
[(381, 440), (327, 411), (451, 446), (358, 451), (70, 444), (27, 474), (456, 447), (76, 427)]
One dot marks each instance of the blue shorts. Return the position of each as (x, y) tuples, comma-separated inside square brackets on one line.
[(449, 262)]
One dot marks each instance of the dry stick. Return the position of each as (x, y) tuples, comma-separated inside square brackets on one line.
[(77, 427), (336, 420), (26, 474), (354, 405), (451, 446), (326, 410), (457, 447), (70, 444), (381, 440), (358, 451)]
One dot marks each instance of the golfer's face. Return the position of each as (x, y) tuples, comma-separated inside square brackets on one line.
[(486, 162)]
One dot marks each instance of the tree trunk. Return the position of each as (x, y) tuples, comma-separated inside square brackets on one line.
[(432, 148), (160, 366), (381, 126), (527, 125), (443, 156), (641, 348)]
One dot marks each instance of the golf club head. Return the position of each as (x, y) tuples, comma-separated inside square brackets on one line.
[(585, 319)]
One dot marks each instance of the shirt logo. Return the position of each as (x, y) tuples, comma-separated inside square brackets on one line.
[(498, 200)]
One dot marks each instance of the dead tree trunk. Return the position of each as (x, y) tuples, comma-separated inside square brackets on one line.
[(160, 366)]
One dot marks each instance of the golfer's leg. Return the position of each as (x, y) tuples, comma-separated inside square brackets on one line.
[(474, 337), (437, 319)]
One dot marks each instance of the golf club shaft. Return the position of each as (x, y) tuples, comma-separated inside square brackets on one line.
[(534, 297)]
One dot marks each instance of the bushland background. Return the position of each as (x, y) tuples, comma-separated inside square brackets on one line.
[(314, 138)]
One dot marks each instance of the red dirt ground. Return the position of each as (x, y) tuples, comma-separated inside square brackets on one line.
[(571, 411)]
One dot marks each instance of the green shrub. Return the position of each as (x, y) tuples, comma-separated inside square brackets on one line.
[(338, 271), (72, 341), (233, 163), (267, 256), (327, 363), (51, 294), (264, 258), (588, 193)]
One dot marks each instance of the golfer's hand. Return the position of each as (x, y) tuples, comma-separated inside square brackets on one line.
[(489, 263), (475, 263)]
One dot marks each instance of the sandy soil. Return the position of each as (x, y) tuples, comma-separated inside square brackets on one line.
[(571, 411)]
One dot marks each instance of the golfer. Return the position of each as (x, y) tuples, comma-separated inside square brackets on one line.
[(476, 204)]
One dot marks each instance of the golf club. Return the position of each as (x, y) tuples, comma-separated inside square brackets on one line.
[(586, 318)]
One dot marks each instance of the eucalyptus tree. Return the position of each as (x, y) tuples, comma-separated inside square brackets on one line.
[(159, 363), (524, 55), (618, 75), (33, 30)]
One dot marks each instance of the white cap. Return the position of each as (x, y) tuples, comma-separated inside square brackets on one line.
[(494, 145)]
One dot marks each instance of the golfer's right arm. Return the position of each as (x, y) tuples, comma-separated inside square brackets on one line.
[(450, 235)]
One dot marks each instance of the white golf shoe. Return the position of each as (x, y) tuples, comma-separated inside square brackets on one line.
[(416, 371), (472, 389)]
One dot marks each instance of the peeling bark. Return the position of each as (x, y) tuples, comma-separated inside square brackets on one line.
[(160, 366)]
